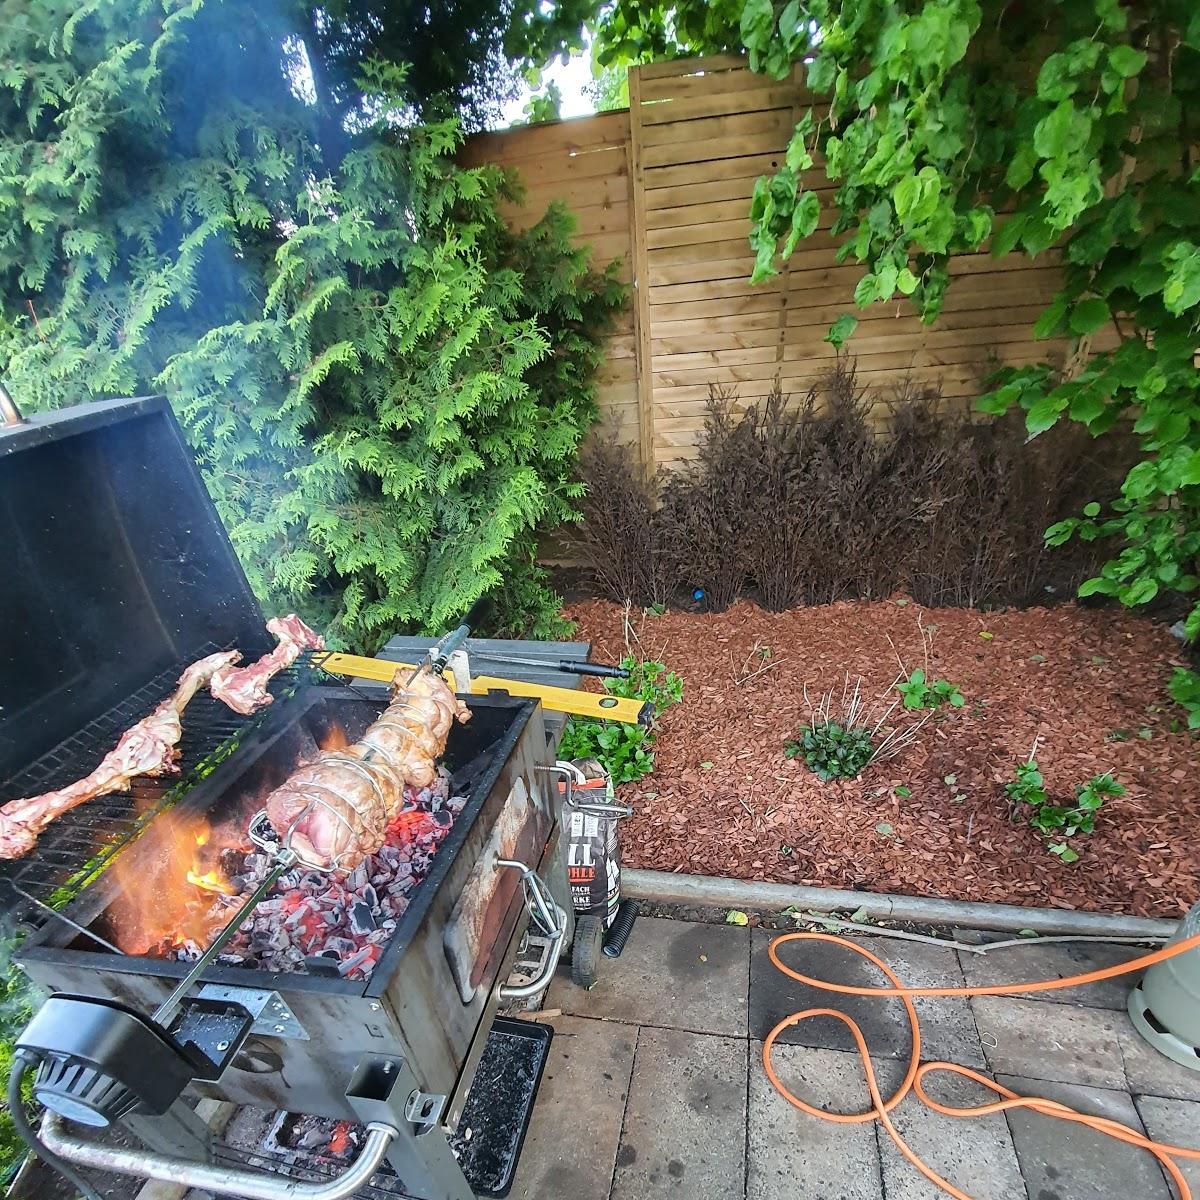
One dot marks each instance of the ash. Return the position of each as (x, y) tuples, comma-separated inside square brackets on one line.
[(333, 923)]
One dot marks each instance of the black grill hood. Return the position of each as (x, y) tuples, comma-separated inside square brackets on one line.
[(114, 565)]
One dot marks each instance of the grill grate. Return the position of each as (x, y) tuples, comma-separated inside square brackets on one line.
[(77, 847)]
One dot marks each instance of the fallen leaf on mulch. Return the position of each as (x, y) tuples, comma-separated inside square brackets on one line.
[(754, 814)]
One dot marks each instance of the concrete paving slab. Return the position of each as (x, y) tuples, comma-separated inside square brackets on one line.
[(1176, 1122), (1059, 1042), (1151, 1073), (791, 1154), (674, 974), (1064, 1161), (685, 1123), (773, 996), (1056, 960), (976, 1155), (584, 1089)]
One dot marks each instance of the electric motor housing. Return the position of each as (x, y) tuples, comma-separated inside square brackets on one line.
[(99, 1061)]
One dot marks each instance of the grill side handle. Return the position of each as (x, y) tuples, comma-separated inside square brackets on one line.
[(227, 1181)]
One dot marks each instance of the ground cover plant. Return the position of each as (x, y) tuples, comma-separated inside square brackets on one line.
[(1061, 821), (626, 752), (917, 692)]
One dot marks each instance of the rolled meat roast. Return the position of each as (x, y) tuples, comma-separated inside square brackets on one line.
[(335, 810)]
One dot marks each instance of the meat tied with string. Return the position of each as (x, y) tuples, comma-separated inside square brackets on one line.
[(147, 748), (335, 810)]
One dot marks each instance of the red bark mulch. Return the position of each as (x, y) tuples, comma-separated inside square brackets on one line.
[(1089, 685)]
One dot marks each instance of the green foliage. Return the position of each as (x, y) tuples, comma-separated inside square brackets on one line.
[(384, 386), (609, 89), (1060, 820), (952, 126), (17, 1001), (833, 750), (544, 107), (917, 693), (1185, 690), (625, 751)]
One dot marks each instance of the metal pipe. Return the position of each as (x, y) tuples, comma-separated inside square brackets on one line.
[(9, 412), (662, 887), (166, 1010), (224, 1181)]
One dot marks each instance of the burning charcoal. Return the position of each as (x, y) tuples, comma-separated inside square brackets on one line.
[(361, 918), (403, 871), (443, 818), (301, 911), (370, 897), (339, 945), (356, 960), (357, 878)]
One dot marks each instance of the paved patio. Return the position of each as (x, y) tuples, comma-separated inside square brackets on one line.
[(655, 1086)]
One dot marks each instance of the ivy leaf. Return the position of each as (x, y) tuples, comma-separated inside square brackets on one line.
[(841, 329), (866, 290), (1044, 413), (1055, 80), (758, 20), (1063, 130), (906, 282), (1182, 289), (1126, 61), (1050, 322), (1088, 315)]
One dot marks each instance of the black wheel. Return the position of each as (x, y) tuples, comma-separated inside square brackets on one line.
[(585, 951)]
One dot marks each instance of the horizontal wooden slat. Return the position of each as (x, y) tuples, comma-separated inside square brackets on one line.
[(687, 66), (720, 104), (741, 164), (716, 149), (687, 136)]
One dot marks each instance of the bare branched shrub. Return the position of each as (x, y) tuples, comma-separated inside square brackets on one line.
[(623, 539), (707, 505), (807, 501)]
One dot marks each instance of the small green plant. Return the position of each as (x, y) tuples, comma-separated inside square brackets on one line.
[(833, 750), (918, 692), (625, 751), (1060, 820), (1185, 691)]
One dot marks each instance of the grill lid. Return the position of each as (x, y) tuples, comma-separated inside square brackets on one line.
[(116, 567)]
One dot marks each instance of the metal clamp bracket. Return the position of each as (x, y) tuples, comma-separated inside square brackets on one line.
[(272, 1015), (549, 919), (424, 1110)]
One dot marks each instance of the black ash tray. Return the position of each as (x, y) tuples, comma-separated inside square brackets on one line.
[(499, 1105)]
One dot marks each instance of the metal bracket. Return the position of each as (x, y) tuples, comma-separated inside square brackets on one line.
[(424, 1110), (272, 1016)]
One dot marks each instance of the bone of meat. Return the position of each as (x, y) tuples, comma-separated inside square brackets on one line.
[(335, 810), (244, 689), (147, 748)]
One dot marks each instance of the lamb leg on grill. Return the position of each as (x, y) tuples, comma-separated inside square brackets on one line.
[(147, 748), (335, 810), (244, 689)]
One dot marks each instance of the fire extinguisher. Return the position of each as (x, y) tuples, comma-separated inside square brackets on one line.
[(602, 921)]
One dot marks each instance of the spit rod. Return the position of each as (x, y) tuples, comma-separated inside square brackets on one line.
[(10, 414), (166, 1010)]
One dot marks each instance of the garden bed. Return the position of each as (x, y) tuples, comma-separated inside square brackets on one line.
[(1088, 685)]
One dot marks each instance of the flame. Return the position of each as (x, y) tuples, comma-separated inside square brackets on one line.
[(334, 739), (169, 880), (211, 882)]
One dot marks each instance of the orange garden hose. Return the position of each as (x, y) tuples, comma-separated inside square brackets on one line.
[(914, 1078)]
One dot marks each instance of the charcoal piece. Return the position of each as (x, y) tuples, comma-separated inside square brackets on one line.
[(339, 945), (443, 818), (362, 920), (370, 897), (356, 960)]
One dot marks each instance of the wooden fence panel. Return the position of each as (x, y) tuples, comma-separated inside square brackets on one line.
[(665, 186)]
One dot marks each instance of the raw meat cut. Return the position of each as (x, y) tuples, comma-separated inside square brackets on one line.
[(147, 748), (335, 810), (244, 689)]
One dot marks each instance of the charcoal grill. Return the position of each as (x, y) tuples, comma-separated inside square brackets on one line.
[(123, 576)]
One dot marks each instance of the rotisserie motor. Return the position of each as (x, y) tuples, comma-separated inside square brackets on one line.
[(147, 748), (244, 689), (335, 811)]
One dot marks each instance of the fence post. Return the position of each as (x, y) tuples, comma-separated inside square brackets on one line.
[(641, 277)]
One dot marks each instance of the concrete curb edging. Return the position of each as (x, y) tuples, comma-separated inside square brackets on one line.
[(663, 887)]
